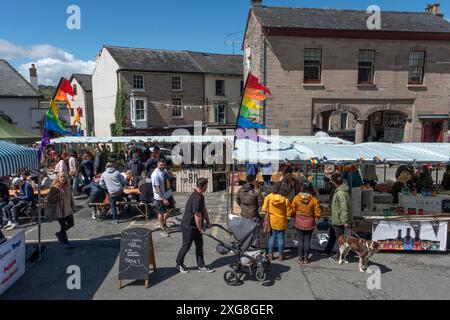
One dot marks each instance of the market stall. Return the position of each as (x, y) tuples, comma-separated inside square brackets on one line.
[(14, 159), (374, 208), (185, 152)]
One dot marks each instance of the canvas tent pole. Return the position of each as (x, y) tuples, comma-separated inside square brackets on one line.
[(437, 176), (317, 175)]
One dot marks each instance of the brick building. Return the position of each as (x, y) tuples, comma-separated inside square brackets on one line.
[(163, 90), (391, 84)]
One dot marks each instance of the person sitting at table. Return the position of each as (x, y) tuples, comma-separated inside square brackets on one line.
[(23, 199), (4, 196), (131, 181), (95, 193)]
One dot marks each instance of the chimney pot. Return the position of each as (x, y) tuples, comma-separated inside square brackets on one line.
[(34, 77), (434, 9), (256, 3)]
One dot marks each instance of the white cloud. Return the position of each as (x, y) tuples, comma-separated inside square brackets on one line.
[(51, 70), (51, 62)]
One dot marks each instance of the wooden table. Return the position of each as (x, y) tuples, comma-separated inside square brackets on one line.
[(131, 191), (44, 193)]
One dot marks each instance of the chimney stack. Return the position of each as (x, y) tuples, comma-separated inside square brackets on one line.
[(34, 77), (255, 3), (435, 9)]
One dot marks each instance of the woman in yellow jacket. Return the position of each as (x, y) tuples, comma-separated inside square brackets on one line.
[(306, 209), (278, 208)]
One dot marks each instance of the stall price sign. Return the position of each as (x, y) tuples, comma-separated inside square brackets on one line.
[(446, 206), (136, 255), (12, 261)]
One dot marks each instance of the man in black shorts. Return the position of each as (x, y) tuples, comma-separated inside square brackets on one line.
[(193, 226), (163, 195)]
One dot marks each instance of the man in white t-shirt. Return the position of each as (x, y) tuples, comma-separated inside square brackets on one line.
[(163, 195)]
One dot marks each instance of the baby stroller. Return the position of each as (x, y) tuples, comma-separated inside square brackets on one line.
[(242, 242), (321, 236)]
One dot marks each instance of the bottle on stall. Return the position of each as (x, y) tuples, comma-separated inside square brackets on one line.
[(408, 242), (399, 241), (417, 241)]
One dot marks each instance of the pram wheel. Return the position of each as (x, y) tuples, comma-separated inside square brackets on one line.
[(261, 275), (231, 278)]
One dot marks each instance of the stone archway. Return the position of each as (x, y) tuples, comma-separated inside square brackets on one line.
[(406, 109), (337, 107), (403, 115)]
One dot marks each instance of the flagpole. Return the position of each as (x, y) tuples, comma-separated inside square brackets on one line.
[(239, 112), (39, 215)]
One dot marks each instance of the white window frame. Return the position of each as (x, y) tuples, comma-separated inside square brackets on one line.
[(181, 116), (143, 82), (133, 110), (181, 83), (217, 104)]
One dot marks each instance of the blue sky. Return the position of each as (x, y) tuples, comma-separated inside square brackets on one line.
[(35, 31)]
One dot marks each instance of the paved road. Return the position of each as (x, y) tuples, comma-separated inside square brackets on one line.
[(404, 276)]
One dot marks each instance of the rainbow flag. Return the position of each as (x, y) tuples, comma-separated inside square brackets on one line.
[(249, 109), (315, 162), (64, 88), (53, 122)]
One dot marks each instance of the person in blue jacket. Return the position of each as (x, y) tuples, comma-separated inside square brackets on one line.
[(353, 178), (23, 199)]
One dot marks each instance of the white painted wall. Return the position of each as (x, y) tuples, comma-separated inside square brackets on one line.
[(19, 110), (80, 102), (104, 92), (232, 95)]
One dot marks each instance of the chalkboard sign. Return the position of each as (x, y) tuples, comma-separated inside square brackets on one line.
[(136, 255), (445, 205)]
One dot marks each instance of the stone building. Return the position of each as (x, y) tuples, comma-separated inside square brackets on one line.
[(390, 84), (165, 90)]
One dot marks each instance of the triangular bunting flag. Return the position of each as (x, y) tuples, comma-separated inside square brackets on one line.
[(435, 226)]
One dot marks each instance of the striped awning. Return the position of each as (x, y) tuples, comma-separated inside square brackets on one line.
[(14, 158)]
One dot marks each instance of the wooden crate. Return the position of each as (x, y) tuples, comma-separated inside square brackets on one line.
[(187, 179)]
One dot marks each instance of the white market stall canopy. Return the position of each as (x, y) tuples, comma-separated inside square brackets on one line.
[(334, 153), (14, 158), (190, 138), (138, 139)]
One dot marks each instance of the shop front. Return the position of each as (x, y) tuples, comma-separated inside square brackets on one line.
[(434, 127)]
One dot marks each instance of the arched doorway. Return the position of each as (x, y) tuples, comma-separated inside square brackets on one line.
[(338, 120), (391, 124)]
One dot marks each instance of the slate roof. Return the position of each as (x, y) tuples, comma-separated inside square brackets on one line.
[(349, 19), (85, 80), (212, 63), (12, 84), (151, 60)]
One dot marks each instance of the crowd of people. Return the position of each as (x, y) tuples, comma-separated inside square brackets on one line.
[(303, 207), (96, 175)]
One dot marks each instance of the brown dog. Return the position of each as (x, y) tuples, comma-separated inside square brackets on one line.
[(363, 248)]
